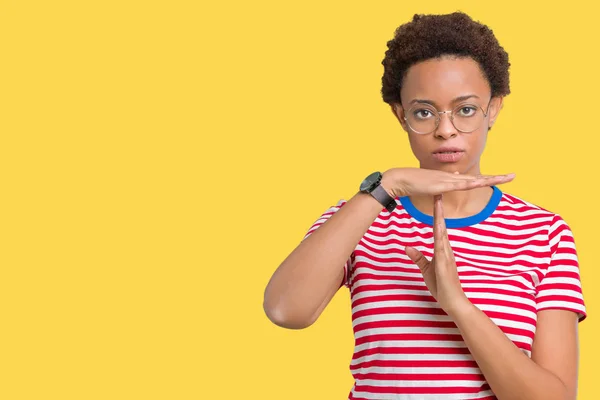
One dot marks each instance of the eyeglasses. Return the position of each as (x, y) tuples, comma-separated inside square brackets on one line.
[(424, 118)]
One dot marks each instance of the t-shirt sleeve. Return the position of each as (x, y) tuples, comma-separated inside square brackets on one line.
[(322, 219), (561, 288)]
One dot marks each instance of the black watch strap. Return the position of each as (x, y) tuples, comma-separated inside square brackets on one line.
[(382, 196)]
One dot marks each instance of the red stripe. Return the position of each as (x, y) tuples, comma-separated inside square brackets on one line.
[(411, 350), (388, 286), (416, 364), (418, 377), (504, 303), (510, 317), (404, 324), (566, 299), (398, 310), (405, 337), (388, 277), (558, 286), (416, 389), (394, 297)]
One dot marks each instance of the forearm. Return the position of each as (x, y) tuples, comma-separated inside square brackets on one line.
[(308, 278), (511, 374)]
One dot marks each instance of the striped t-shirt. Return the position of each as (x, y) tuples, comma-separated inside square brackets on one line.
[(514, 259)]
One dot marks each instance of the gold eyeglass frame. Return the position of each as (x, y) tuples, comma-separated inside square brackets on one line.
[(438, 118)]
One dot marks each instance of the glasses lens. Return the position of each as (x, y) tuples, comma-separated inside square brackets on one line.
[(422, 118), (467, 117)]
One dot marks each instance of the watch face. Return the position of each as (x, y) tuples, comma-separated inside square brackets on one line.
[(370, 182)]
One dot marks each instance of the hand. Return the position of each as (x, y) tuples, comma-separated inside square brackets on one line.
[(440, 274), (419, 181)]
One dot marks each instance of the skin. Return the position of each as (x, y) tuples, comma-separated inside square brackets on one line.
[(551, 372)]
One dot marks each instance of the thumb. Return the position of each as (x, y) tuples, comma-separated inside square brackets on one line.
[(416, 256)]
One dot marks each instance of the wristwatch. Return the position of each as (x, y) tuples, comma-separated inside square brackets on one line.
[(372, 186)]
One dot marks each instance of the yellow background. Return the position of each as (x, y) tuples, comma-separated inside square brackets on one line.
[(159, 159)]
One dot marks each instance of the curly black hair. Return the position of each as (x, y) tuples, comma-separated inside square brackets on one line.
[(434, 36)]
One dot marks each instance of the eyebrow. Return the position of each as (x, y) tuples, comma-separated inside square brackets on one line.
[(457, 99)]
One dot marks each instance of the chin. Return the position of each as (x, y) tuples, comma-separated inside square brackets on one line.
[(447, 167)]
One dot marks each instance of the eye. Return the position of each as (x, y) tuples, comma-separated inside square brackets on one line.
[(467, 111), (422, 113)]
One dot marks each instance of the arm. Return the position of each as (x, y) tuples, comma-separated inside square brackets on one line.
[(551, 373), (309, 277)]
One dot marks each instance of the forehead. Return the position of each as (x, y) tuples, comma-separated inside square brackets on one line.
[(442, 80)]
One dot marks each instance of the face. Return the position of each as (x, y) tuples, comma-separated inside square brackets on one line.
[(448, 83)]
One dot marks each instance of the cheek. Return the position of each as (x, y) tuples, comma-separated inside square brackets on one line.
[(416, 143), (419, 146), (477, 142)]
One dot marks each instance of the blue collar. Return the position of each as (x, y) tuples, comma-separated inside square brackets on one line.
[(455, 222)]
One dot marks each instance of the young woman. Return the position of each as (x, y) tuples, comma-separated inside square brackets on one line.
[(476, 299)]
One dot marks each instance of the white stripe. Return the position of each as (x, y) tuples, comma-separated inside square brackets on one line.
[(563, 256), (520, 338), (560, 305), (400, 317), (515, 278), (394, 303), (561, 292), (411, 357), (477, 285), (407, 329), (501, 297), (437, 384), (561, 280), (504, 218), (389, 396), (507, 310), (418, 370), (447, 344), (364, 282), (387, 292)]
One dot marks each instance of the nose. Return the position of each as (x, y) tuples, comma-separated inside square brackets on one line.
[(445, 128)]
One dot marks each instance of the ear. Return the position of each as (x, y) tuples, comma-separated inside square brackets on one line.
[(496, 104), (398, 112)]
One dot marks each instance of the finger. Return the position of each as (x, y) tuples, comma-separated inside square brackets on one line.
[(467, 177), (439, 224), (442, 250), (485, 180), (417, 257), (474, 182), (440, 235)]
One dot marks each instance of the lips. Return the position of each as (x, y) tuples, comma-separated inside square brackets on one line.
[(448, 154), (449, 150)]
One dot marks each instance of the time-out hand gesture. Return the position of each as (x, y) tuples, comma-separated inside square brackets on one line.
[(440, 273), (421, 181)]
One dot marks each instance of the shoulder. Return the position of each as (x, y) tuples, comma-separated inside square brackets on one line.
[(518, 206)]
